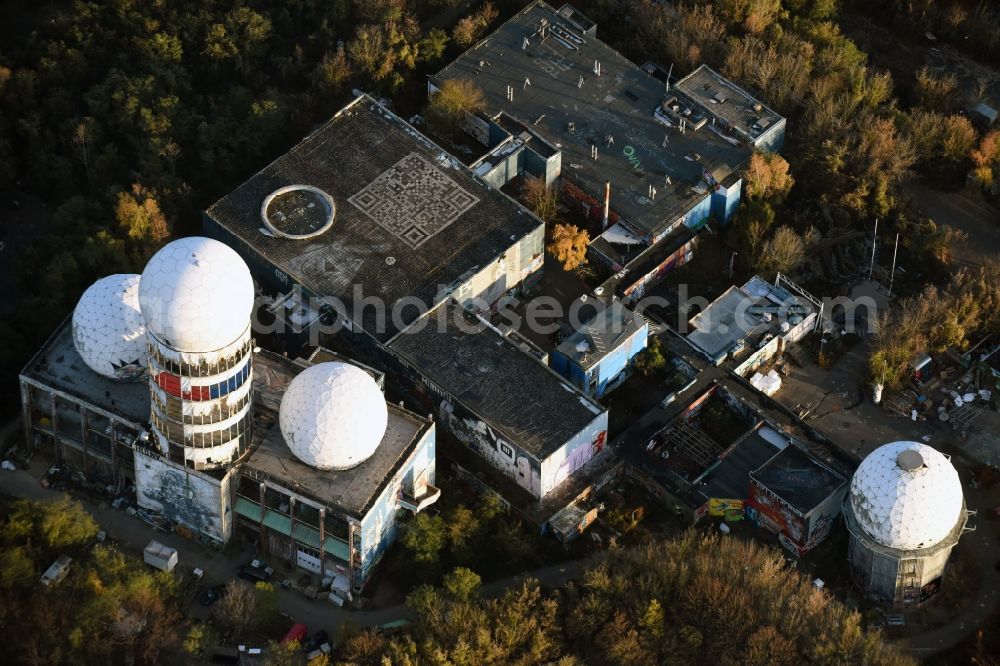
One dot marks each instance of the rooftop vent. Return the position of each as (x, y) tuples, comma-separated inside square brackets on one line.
[(910, 460)]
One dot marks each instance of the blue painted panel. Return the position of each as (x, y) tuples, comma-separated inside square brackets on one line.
[(619, 359), (698, 214), (725, 201)]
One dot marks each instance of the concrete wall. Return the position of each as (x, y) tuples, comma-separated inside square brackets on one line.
[(574, 454), (490, 283), (725, 200), (192, 499), (637, 289), (500, 452), (773, 140), (379, 528)]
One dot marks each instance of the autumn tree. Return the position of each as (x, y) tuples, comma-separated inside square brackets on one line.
[(332, 72), (237, 609), (543, 200), (936, 92), (454, 100), (470, 28), (783, 252), (138, 214), (661, 603), (935, 136), (569, 245), (767, 177), (753, 15), (985, 156)]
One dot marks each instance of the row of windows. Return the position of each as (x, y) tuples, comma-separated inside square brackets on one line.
[(202, 440), (173, 409), (204, 368)]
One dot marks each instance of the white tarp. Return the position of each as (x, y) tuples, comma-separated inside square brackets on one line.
[(767, 384)]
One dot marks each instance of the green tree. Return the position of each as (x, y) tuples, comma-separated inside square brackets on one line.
[(64, 523), (425, 537), (462, 584), (651, 360)]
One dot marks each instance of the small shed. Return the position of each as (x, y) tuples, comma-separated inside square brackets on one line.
[(56, 571), (983, 113), (160, 556)]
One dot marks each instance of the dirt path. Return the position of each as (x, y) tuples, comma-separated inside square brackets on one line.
[(987, 600)]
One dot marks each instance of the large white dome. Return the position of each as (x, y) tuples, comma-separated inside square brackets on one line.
[(906, 495), (333, 416), (108, 329), (196, 295)]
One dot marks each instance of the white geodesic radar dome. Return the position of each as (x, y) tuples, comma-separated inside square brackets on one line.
[(108, 329), (333, 416), (196, 295), (906, 495)]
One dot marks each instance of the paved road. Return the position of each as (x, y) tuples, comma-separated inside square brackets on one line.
[(133, 534)]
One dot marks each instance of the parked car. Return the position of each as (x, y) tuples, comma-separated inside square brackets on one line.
[(315, 641), (297, 633), (256, 571), (209, 595)]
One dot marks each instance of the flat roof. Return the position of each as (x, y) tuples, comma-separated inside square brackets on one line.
[(620, 103), (720, 97), (353, 490), (410, 219), (731, 479), (514, 393), (798, 479), (739, 314), (601, 335), (638, 264), (58, 365)]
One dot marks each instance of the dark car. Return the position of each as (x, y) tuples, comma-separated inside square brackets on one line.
[(256, 572), (209, 595), (312, 643)]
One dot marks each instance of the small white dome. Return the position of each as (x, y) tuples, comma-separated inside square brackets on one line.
[(108, 329), (196, 295), (906, 495), (333, 416)]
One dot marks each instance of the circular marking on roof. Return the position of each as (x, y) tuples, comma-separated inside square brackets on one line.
[(298, 212)]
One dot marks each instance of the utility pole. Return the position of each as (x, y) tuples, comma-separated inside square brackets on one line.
[(892, 275), (871, 268), (732, 262)]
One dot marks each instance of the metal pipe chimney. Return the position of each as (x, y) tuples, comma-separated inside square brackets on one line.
[(607, 203)]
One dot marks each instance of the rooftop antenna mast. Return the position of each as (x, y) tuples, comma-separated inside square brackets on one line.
[(892, 274), (871, 267)]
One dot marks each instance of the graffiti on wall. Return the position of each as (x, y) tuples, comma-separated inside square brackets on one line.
[(501, 454), (185, 498), (778, 513)]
